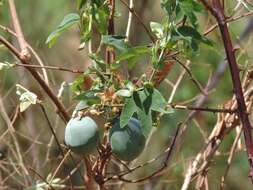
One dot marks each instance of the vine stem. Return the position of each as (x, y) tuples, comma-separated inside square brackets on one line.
[(217, 11)]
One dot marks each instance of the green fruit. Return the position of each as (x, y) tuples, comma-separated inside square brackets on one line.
[(81, 135), (127, 143)]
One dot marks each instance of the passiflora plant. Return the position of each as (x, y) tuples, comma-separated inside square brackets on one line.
[(130, 106)]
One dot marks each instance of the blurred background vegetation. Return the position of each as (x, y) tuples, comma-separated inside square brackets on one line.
[(39, 18)]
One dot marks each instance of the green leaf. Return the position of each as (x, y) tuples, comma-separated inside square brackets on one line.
[(191, 32), (127, 112), (159, 103), (125, 52), (89, 96), (146, 121), (81, 105), (143, 102), (124, 93), (152, 99), (138, 99), (86, 26), (98, 62), (80, 3), (191, 35), (130, 86), (168, 5), (6, 65), (116, 42), (157, 29), (134, 52), (76, 85), (26, 97), (100, 15), (65, 24), (188, 8)]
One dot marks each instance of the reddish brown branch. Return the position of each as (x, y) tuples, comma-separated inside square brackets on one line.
[(24, 58), (16, 25), (51, 129), (218, 12), (42, 83), (110, 54), (111, 17)]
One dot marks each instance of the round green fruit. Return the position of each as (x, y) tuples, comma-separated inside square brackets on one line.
[(128, 142), (81, 135)]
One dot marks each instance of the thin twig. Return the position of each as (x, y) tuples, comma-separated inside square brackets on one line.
[(208, 31), (214, 110), (140, 21), (230, 157), (130, 19), (51, 129), (194, 80), (42, 178), (44, 72), (49, 67), (59, 166)]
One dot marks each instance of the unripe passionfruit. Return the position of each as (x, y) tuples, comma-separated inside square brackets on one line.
[(81, 135), (127, 143)]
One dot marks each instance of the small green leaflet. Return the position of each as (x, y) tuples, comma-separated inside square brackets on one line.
[(146, 121), (143, 102), (80, 3), (188, 8), (191, 35), (26, 97), (127, 91), (180, 8), (157, 29), (89, 96), (82, 105), (116, 42), (66, 23), (124, 93), (168, 5), (6, 65), (127, 112), (125, 51), (76, 85), (98, 62), (100, 15), (133, 52), (86, 26)]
